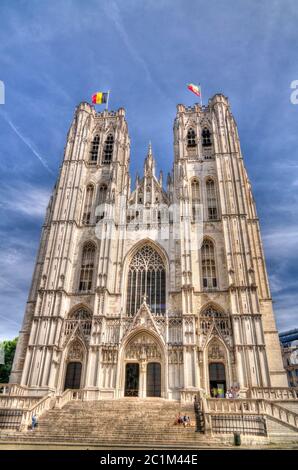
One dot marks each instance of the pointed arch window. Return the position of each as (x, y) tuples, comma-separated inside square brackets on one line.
[(191, 138), (208, 265), (211, 200), (146, 277), (94, 149), (206, 137), (195, 199), (88, 204), (108, 150), (87, 267), (211, 312), (81, 317), (212, 316), (102, 196)]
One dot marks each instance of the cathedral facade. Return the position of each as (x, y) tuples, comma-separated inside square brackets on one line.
[(159, 289)]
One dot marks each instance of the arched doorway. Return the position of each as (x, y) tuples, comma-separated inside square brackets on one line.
[(73, 375), (142, 373), (132, 374), (153, 379), (217, 379)]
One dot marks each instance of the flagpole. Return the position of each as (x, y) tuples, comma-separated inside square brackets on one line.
[(107, 103), (201, 96)]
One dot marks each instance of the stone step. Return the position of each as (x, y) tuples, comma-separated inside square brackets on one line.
[(93, 439), (143, 431), (133, 437)]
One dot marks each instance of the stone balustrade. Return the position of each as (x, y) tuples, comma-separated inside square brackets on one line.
[(280, 413), (20, 390), (17, 402), (238, 405), (272, 393), (12, 389)]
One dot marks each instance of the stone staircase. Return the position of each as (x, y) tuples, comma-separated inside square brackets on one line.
[(123, 423), (69, 421)]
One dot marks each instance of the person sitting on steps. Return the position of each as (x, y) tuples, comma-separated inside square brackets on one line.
[(186, 421), (179, 419)]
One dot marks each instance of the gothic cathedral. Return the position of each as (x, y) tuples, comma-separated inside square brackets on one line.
[(159, 289)]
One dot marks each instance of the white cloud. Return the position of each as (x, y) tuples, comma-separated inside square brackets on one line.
[(276, 284), (282, 241), (25, 199), (285, 308), (17, 263)]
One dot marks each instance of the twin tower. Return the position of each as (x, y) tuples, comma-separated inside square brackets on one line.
[(156, 290)]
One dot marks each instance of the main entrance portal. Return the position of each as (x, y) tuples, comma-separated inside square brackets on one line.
[(132, 380), (143, 367)]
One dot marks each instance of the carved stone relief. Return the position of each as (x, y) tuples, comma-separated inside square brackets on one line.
[(75, 352), (143, 347), (216, 352)]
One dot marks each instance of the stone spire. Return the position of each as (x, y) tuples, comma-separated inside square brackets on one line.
[(149, 169), (160, 179)]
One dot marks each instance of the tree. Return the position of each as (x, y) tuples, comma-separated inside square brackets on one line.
[(9, 351)]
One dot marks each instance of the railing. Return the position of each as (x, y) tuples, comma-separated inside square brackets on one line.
[(199, 415), (272, 393), (245, 424), (10, 419)]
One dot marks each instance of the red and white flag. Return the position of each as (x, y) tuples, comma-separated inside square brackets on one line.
[(196, 89)]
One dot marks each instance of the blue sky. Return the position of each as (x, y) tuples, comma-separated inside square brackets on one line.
[(54, 54)]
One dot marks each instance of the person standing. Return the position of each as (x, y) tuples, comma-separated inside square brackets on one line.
[(34, 421)]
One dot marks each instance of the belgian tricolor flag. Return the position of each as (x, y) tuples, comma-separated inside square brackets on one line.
[(99, 97)]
